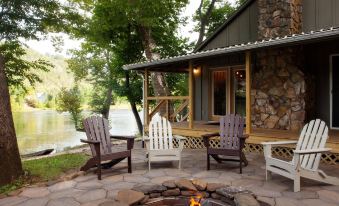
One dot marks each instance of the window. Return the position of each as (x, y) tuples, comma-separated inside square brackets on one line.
[(219, 79), (334, 91), (239, 89)]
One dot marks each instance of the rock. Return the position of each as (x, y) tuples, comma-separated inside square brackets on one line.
[(300, 116), (113, 203), (270, 110), (216, 196), (154, 195), (261, 95), (245, 200), (171, 192), (14, 193), (143, 201), (283, 122), (211, 187), (230, 191), (204, 194), (185, 184), (276, 91), (282, 111), (129, 197), (261, 102), (290, 93), (301, 195), (271, 121), (283, 73), (263, 116), (199, 184), (170, 184), (188, 193), (149, 188), (34, 202)]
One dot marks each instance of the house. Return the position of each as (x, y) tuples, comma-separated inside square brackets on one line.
[(276, 62)]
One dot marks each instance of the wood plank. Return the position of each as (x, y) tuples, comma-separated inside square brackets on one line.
[(248, 92), (190, 86), (168, 98)]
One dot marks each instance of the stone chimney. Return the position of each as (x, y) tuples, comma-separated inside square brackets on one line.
[(278, 83), (279, 18)]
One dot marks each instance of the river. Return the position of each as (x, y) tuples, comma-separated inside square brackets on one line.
[(43, 129)]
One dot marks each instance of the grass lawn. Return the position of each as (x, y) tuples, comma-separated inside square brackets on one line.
[(46, 169)]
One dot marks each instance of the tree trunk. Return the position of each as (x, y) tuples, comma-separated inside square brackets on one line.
[(108, 102), (132, 103), (158, 80), (10, 162), (204, 21)]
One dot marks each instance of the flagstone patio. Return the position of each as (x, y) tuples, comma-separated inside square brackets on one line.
[(88, 191)]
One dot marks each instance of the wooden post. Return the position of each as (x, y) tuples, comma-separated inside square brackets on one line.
[(248, 92), (146, 98), (190, 86)]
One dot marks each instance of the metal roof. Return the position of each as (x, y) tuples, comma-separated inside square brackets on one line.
[(312, 36)]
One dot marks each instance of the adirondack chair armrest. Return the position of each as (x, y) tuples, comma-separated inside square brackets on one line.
[(311, 151), (89, 141), (279, 142), (130, 140)]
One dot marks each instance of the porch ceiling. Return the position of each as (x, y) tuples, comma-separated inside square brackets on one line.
[(295, 39)]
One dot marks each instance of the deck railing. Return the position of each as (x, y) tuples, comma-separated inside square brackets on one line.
[(174, 108)]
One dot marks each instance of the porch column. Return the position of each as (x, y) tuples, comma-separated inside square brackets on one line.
[(248, 93), (146, 112), (190, 86)]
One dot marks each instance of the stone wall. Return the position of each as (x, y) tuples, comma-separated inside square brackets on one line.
[(278, 87), (278, 90), (279, 18)]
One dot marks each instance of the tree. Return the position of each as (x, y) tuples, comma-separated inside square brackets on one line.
[(210, 15), (20, 19), (70, 101), (94, 64)]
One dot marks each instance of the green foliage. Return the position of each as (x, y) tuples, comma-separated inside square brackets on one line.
[(69, 100), (222, 10), (17, 69), (51, 168), (45, 169)]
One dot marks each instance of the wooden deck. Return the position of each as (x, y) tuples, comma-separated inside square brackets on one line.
[(256, 137)]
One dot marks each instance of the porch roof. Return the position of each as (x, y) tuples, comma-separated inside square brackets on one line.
[(295, 39)]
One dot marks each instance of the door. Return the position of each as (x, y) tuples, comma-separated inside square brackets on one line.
[(219, 93), (239, 91), (334, 92)]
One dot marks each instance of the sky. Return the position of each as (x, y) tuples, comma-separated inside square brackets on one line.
[(46, 46)]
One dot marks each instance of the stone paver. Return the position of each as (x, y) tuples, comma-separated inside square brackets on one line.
[(35, 202), (35, 192), (63, 202), (62, 186), (92, 195), (87, 190)]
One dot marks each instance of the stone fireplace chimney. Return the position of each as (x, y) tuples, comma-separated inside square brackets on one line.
[(278, 84), (279, 18)]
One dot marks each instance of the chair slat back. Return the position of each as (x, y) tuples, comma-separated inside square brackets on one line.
[(160, 133), (97, 129), (313, 136), (231, 128)]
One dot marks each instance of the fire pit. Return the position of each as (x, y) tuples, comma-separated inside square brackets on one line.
[(183, 202), (186, 192)]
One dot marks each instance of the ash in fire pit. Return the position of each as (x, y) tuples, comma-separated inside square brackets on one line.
[(186, 192)]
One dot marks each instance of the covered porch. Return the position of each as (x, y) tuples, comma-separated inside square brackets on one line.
[(271, 114)]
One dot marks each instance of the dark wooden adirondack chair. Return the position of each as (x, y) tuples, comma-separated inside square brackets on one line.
[(232, 141), (99, 139)]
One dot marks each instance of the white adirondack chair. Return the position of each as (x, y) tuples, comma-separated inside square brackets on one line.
[(159, 143), (306, 156)]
